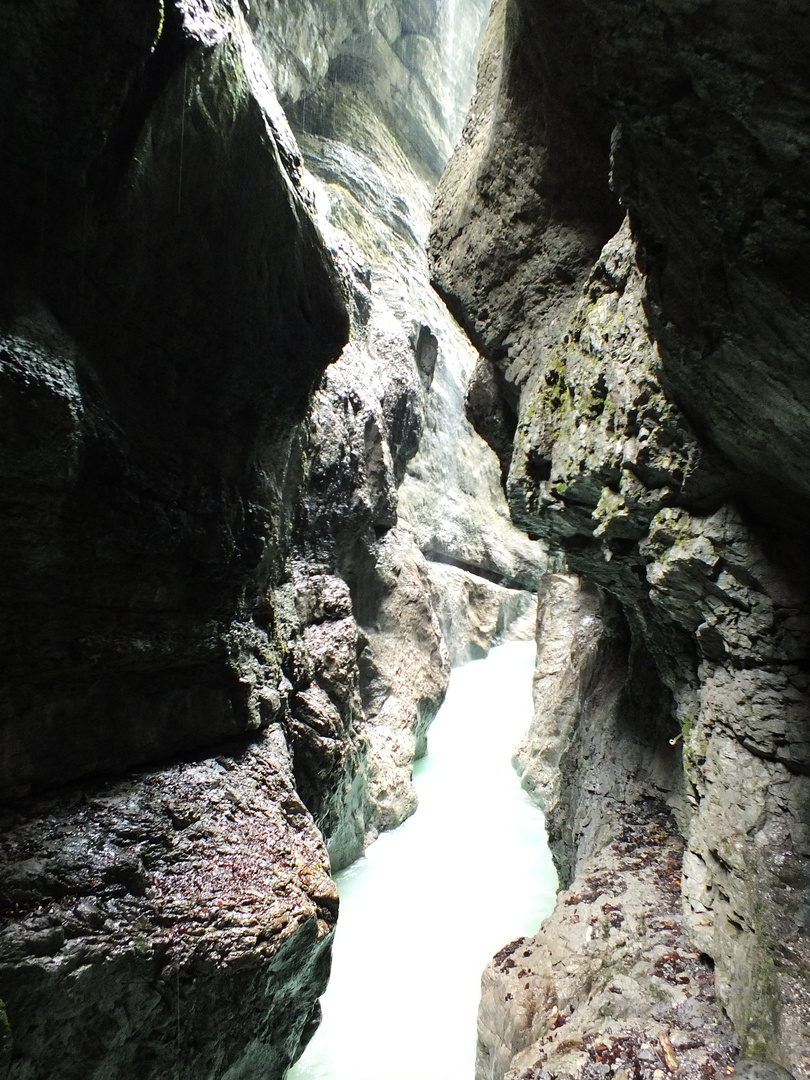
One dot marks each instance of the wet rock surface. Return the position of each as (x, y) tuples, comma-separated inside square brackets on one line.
[(600, 725), (611, 985), (397, 480), (412, 59), (183, 913), (148, 424), (203, 539), (630, 494)]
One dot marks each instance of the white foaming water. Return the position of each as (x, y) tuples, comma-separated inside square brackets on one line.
[(432, 901)]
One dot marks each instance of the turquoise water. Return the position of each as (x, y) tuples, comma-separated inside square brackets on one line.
[(432, 901)]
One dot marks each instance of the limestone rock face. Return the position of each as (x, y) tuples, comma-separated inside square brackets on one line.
[(414, 60), (474, 613), (525, 208), (175, 915), (217, 620), (405, 668), (611, 981), (149, 388), (395, 474), (162, 324), (600, 722), (655, 428), (725, 627)]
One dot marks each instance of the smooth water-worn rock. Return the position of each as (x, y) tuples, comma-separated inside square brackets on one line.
[(600, 723), (655, 421), (396, 474), (474, 612), (416, 61)]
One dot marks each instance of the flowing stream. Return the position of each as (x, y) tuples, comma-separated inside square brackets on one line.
[(432, 901)]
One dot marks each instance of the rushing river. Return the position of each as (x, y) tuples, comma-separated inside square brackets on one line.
[(432, 901)]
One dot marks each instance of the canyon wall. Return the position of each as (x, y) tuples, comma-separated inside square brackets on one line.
[(623, 232), (164, 322), (228, 392)]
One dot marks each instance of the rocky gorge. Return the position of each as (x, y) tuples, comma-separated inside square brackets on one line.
[(246, 523), (247, 526)]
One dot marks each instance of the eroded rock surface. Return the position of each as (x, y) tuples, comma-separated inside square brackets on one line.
[(184, 913), (149, 423), (611, 985), (396, 475), (203, 536), (163, 323), (655, 420), (474, 613)]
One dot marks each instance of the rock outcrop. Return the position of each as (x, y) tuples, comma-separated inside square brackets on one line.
[(657, 412), (610, 986), (150, 388), (163, 325), (180, 915), (219, 639), (398, 483)]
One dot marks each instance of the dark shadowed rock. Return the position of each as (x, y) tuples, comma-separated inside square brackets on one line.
[(183, 915), (163, 320), (154, 360)]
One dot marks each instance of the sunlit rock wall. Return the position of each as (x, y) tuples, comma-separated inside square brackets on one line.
[(646, 389), (397, 478), (414, 60)]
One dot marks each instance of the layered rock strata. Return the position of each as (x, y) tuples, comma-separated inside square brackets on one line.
[(648, 413)]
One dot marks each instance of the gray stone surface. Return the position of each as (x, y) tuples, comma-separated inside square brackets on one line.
[(600, 722), (610, 986), (140, 540), (167, 921), (656, 411), (202, 538), (476, 614), (394, 471), (760, 1070), (724, 625), (413, 61)]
